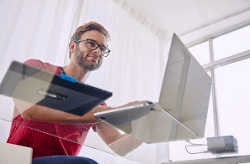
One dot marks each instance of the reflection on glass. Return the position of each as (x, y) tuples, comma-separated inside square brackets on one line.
[(232, 84), (232, 43), (201, 52), (177, 149)]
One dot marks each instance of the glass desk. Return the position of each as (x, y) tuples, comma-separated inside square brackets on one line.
[(234, 159)]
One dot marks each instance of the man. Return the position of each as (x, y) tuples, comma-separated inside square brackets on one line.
[(87, 49)]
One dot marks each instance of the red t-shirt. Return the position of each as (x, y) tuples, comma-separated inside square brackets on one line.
[(42, 136)]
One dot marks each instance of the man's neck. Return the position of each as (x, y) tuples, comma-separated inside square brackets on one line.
[(75, 71)]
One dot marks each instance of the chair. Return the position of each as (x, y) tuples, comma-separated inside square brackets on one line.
[(15, 154)]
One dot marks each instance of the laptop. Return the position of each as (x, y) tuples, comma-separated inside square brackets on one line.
[(41, 87), (181, 110)]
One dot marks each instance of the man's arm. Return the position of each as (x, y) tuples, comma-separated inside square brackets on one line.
[(31, 111), (35, 112)]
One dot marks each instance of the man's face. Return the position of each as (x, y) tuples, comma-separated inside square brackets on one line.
[(89, 59)]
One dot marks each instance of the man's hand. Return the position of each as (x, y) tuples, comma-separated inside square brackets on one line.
[(132, 103)]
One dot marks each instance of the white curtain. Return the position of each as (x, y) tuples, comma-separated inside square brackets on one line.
[(41, 29), (36, 29)]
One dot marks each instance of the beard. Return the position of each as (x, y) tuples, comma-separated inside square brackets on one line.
[(81, 59)]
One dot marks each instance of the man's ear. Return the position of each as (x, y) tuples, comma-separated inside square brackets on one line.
[(72, 47)]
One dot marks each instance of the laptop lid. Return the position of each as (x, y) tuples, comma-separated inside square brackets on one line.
[(185, 88)]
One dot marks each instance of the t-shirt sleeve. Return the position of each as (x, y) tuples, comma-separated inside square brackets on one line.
[(39, 64), (35, 62)]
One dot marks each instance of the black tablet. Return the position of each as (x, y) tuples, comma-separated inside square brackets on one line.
[(41, 87)]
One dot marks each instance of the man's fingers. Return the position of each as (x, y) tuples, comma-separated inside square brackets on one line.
[(137, 102)]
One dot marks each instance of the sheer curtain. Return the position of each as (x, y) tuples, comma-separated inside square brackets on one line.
[(32, 29), (41, 29)]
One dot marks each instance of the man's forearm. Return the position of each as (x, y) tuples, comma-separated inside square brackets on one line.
[(40, 113)]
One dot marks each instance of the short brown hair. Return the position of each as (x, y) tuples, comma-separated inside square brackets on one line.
[(88, 27)]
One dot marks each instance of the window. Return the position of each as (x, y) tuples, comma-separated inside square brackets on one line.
[(232, 86), (232, 43), (231, 93), (201, 53)]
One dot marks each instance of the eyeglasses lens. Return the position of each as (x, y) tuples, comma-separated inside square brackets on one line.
[(93, 45)]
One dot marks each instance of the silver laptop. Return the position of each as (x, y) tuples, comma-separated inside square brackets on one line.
[(181, 111)]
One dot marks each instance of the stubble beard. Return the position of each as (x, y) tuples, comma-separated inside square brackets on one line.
[(82, 61)]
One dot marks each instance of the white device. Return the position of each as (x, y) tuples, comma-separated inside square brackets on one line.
[(125, 115), (222, 145)]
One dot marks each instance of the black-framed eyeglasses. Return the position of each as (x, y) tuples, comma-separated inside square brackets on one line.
[(92, 45)]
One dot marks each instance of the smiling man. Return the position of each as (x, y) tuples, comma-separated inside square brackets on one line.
[(87, 49)]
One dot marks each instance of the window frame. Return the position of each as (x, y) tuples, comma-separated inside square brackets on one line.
[(212, 65)]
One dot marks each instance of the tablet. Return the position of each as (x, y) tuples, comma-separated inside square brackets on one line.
[(124, 115), (41, 87)]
